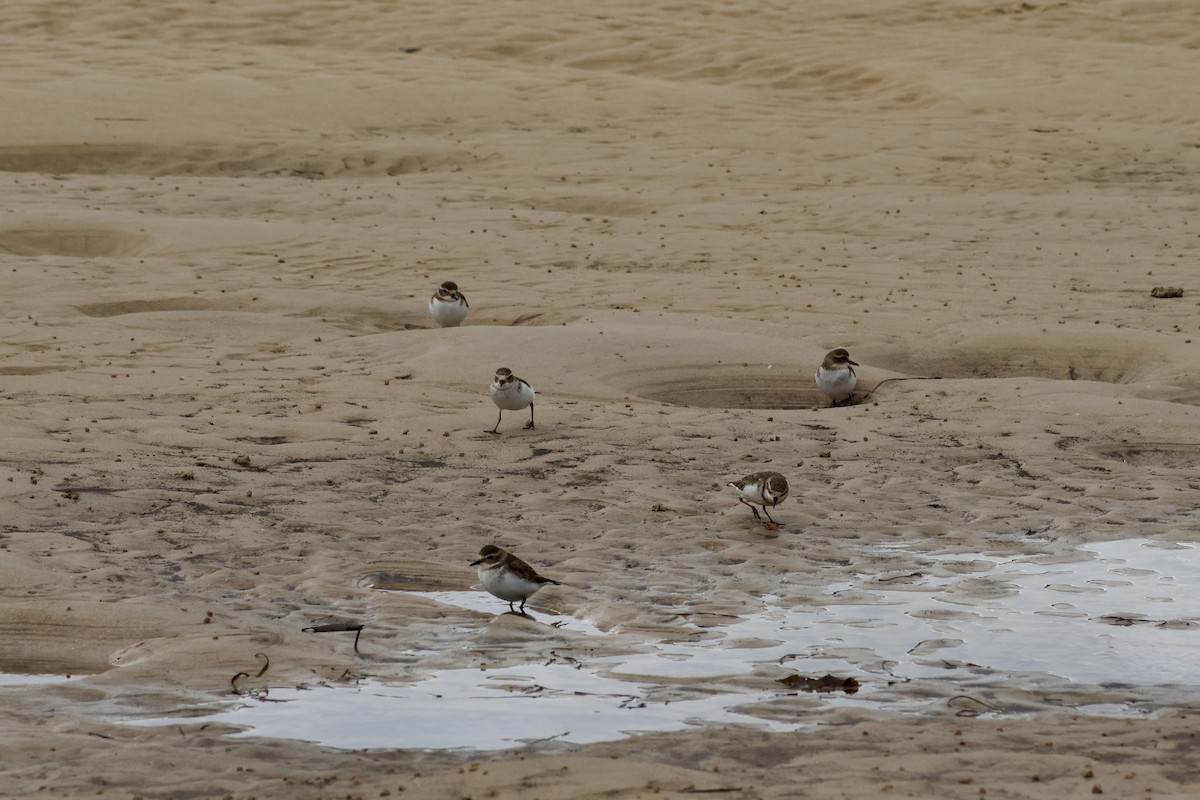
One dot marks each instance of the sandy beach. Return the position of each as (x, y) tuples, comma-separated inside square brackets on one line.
[(228, 417)]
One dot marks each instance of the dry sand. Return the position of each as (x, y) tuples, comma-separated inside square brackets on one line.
[(226, 415)]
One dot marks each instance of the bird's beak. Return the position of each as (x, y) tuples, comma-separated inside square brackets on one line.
[(853, 363), (476, 562)]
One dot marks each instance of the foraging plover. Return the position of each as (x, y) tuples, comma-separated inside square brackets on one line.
[(835, 376), (510, 393), (761, 488), (507, 576), (448, 305)]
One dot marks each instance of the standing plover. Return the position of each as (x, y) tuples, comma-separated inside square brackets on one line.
[(761, 488), (507, 576), (510, 393), (835, 376), (448, 305)]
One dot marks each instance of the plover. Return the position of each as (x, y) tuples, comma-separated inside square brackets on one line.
[(448, 305), (761, 488), (510, 393), (508, 577), (835, 376)]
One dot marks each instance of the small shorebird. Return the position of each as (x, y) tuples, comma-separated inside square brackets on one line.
[(510, 393), (508, 577), (762, 488), (448, 305), (835, 376)]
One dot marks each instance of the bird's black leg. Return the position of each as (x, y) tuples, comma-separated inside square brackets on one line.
[(523, 599), (510, 606), (497, 428), (530, 425), (768, 513), (744, 502)]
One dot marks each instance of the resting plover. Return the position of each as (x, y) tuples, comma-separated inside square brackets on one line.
[(510, 393), (835, 376), (507, 576), (448, 305), (761, 488)]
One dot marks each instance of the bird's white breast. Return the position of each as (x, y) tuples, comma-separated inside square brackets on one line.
[(513, 397), (447, 313), (838, 384), (754, 493), (506, 584)]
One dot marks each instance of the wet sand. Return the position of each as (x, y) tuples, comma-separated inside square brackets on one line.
[(227, 416)]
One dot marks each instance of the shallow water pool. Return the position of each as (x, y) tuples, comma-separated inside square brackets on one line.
[(1126, 613)]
